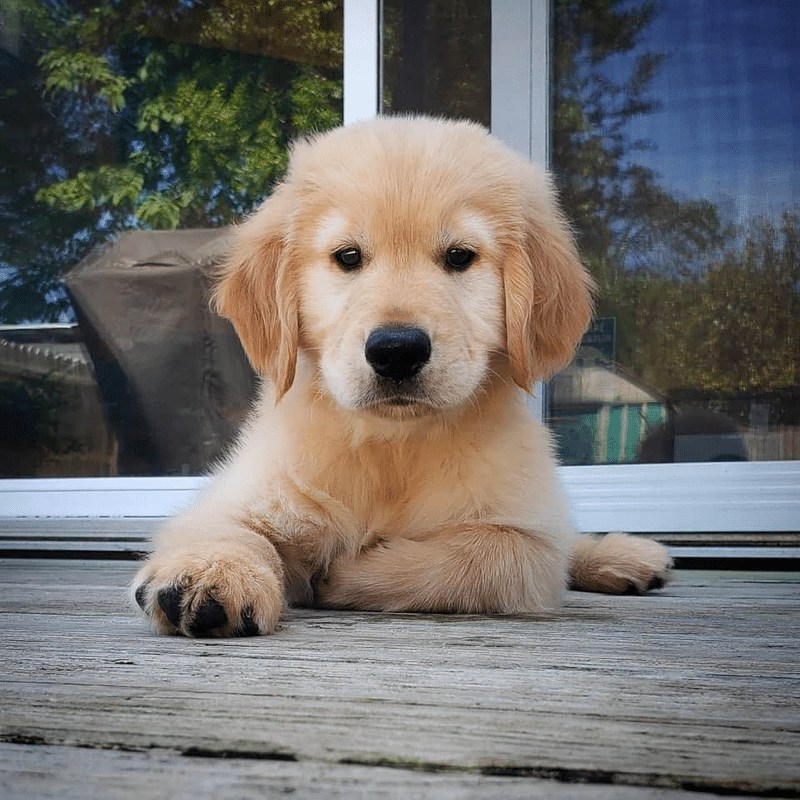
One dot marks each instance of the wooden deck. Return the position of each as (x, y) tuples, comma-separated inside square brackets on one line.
[(688, 693)]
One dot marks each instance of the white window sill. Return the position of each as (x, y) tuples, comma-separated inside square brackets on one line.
[(639, 498)]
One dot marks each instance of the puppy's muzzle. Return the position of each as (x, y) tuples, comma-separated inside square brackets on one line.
[(397, 352)]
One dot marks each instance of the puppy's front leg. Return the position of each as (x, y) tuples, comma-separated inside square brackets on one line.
[(468, 569)]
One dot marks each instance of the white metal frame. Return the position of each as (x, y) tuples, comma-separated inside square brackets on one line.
[(639, 498), (520, 112), (760, 496), (361, 59), (520, 53)]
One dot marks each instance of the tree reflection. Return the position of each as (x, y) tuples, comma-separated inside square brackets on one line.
[(147, 114), (699, 302)]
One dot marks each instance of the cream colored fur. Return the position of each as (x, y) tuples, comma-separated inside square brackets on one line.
[(338, 495)]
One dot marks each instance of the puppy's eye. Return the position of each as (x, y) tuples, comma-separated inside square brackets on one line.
[(348, 258), (459, 258)]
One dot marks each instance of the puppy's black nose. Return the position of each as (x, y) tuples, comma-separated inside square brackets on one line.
[(397, 352)]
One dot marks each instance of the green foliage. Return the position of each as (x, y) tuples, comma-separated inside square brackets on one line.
[(107, 185), (732, 327), (149, 114), (739, 325), (64, 69), (211, 126)]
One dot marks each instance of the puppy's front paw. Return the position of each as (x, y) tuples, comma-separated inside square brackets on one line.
[(209, 590), (618, 563)]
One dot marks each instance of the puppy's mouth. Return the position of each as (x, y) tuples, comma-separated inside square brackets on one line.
[(395, 401)]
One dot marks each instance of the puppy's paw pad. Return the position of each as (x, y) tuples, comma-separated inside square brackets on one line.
[(140, 595), (638, 584), (659, 581), (247, 625), (170, 601), (208, 617)]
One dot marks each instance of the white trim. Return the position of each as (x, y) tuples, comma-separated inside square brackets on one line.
[(639, 498), (520, 91), (361, 48), (718, 496), (520, 52), (96, 497)]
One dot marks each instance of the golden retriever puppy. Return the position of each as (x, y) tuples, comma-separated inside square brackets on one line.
[(401, 287)]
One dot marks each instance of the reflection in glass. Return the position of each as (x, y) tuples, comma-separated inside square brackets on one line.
[(128, 116), (436, 58), (675, 147)]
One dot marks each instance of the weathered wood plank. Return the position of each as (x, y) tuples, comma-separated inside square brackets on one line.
[(29, 772), (696, 687)]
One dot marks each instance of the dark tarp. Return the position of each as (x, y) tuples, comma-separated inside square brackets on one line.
[(174, 380)]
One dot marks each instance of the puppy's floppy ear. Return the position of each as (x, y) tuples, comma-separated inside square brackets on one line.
[(255, 290), (548, 293)]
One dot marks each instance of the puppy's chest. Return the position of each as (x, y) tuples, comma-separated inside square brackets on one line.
[(407, 496)]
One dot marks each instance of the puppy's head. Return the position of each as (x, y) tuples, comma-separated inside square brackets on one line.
[(414, 262)]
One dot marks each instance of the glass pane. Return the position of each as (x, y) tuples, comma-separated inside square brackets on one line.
[(132, 134), (676, 144), (436, 58)]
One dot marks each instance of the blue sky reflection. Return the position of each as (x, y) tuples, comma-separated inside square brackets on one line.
[(728, 124)]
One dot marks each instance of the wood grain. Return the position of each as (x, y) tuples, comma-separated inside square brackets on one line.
[(693, 688), (32, 772)]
